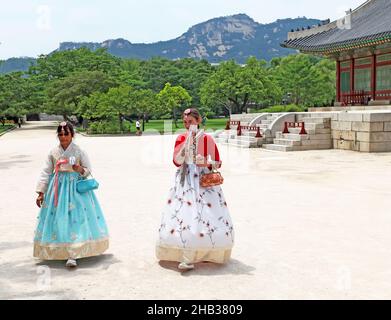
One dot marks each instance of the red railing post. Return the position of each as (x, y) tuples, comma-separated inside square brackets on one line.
[(286, 128), (239, 130), (259, 134), (303, 128)]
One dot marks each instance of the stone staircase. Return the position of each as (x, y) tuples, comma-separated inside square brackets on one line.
[(318, 137), (248, 138), (265, 124)]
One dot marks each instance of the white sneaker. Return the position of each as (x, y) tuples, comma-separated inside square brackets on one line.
[(71, 263), (185, 266)]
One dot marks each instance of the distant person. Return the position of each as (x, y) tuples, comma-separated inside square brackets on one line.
[(204, 119), (19, 122), (138, 127)]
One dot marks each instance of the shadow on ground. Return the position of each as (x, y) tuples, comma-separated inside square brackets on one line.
[(14, 245), (101, 262), (14, 161), (234, 267)]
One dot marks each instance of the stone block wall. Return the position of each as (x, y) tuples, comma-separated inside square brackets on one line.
[(362, 131)]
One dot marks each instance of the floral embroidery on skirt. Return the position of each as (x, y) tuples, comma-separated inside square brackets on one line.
[(196, 225)]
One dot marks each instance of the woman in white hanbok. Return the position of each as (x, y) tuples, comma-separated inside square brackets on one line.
[(196, 225), (71, 225)]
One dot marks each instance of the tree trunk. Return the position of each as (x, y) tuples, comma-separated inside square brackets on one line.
[(244, 104), (120, 124), (175, 119)]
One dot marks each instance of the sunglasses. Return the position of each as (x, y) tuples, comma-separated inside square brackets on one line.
[(66, 134)]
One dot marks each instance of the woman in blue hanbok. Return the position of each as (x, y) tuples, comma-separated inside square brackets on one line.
[(71, 225)]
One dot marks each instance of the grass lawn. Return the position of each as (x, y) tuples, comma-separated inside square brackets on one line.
[(159, 125), (5, 127), (211, 124)]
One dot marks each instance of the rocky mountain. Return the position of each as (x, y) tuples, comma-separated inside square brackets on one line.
[(233, 37), (16, 64)]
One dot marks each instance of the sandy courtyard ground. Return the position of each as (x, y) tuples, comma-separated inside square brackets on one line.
[(309, 225)]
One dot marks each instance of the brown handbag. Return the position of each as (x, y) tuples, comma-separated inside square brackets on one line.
[(211, 179)]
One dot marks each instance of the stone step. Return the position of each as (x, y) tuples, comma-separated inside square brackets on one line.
[(302, 137), (287, 142), (247, 138), (251, 142), (243, 144), (300, 117), (249, 133), (227, 135), (314, 143), (284, 148), (316, 120), (308, 127), (227, 132), (292, 136), (309, 148), (278, 147)]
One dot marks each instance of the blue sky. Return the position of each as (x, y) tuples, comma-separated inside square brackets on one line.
[(32, 27)]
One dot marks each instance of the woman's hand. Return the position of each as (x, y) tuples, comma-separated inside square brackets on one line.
[(78, 168), (40, 200), (201, 161)]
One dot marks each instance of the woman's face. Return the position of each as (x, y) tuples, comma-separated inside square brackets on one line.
[(189, 120), (64, 137)]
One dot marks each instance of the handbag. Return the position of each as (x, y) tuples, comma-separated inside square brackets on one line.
[(85, 185), (211, 179)]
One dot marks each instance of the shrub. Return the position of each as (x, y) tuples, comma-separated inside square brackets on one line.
[(108, 127)]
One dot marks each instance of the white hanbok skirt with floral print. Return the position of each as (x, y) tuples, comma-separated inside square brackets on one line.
[(196, 225)]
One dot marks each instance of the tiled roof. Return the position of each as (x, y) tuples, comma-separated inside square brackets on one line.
[(370, 24)]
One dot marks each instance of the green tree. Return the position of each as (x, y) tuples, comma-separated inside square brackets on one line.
[(144, 103), (61, 64), (19, 95), (64, 95), (233, 87), (307, 79), (172, 99), (114, 104)]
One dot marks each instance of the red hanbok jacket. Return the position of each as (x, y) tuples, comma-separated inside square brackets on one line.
[(206, 147)]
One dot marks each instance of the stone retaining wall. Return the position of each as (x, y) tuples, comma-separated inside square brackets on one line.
[(362, 131)]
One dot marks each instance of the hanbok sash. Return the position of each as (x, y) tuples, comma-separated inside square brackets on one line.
[(192, 152), (58, 164)]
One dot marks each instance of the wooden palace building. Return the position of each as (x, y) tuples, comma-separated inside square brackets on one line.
[(360, 43)]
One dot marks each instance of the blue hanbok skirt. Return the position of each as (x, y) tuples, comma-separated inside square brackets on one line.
[(76, 228)]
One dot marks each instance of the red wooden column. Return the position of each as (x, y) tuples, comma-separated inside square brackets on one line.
[(338, 81), (373, 76), (351, 75)]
